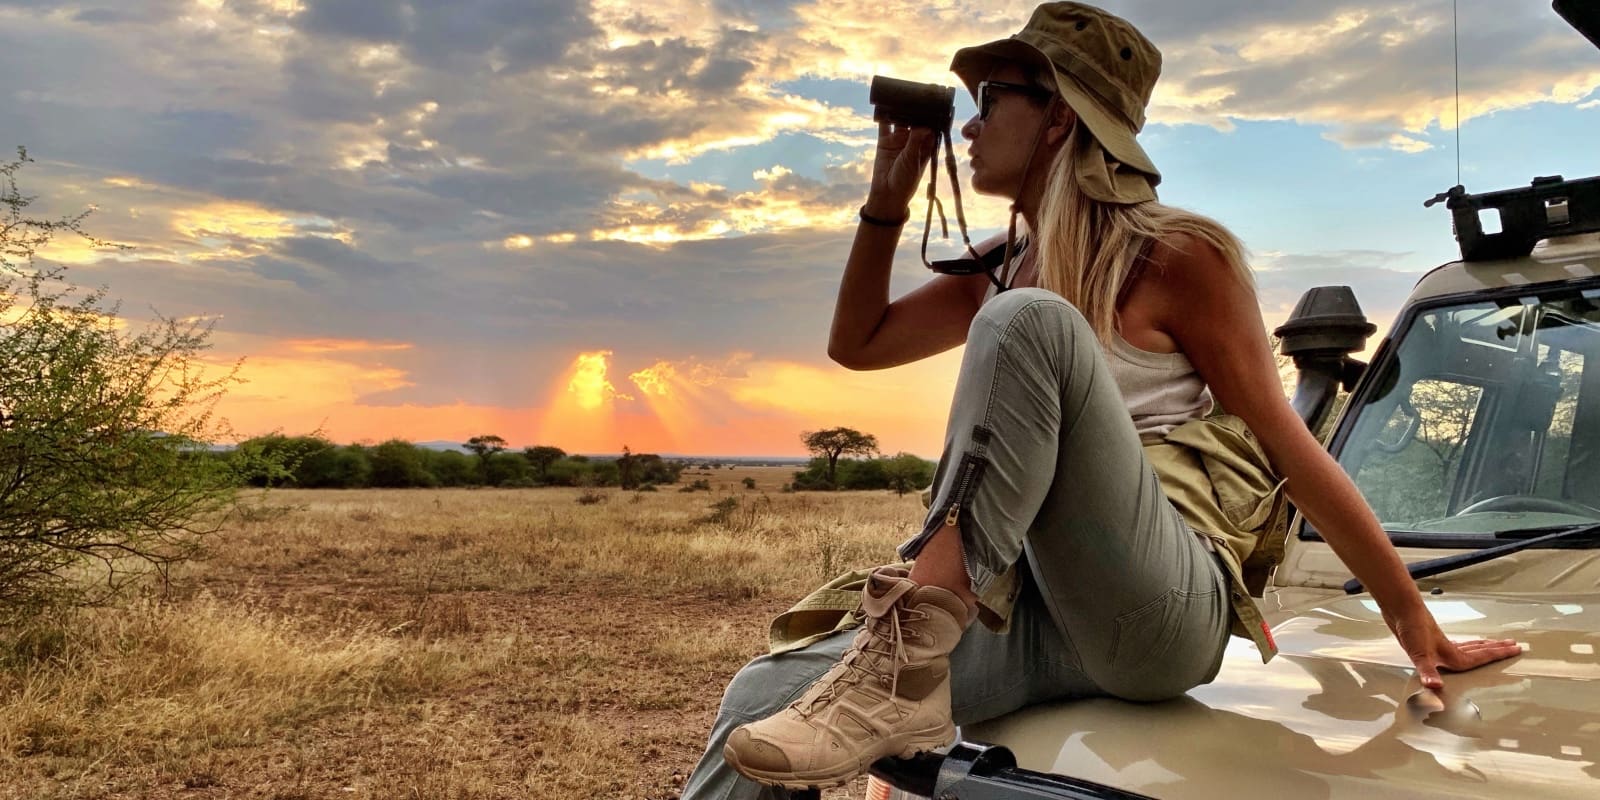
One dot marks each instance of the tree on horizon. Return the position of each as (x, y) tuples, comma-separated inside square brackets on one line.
[(485, 447), (835, 442), (541, 457)]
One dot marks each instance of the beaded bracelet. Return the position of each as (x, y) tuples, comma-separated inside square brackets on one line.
[(884, 223)]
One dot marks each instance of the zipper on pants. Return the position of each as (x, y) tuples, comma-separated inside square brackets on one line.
[(971, 471), (972, 466)]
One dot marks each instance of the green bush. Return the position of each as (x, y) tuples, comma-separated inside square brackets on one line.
[(333, 467), (105, 429), (509, 469), (903, 473), (399, 464)]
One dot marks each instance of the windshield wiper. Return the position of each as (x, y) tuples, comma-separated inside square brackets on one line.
[(1437, 566)]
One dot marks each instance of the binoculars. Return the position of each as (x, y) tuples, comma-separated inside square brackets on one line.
[(917, 105)]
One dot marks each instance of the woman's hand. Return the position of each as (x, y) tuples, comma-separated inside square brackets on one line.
[(897, 169), (1431, 651)]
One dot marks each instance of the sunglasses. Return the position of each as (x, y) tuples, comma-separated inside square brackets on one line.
[(987, 97)]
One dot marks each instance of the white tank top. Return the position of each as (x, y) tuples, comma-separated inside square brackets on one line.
[(1161, 390)]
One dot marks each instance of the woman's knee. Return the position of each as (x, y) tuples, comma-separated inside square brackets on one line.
[(769, 683), (1027, 307)]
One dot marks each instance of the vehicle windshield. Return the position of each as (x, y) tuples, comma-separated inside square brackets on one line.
[(1486, 420)]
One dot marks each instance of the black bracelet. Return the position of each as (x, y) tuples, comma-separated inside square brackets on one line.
[(884, 223)]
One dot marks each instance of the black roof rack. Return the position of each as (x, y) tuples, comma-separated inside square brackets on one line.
[(1547, 207)]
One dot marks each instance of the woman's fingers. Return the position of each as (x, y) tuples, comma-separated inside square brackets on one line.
[(1460, 657), (892, 137), (1489, 644), (1485, 651)]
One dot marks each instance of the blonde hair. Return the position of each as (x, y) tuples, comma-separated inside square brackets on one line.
[(1087, 247)]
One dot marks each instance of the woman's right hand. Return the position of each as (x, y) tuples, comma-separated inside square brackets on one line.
[(897, 169)]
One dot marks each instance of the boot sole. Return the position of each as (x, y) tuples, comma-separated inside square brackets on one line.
[(828, 779)]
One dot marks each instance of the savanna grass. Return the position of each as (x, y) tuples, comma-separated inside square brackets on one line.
[(440, 643)]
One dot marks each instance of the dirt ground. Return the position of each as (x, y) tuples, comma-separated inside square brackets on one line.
[(512, 644), (504, 728)]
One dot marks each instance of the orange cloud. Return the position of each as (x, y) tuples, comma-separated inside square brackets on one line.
[(658, 378), (589, 383), (343, 346)]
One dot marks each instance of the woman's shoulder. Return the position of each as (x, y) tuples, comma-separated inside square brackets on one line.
[(1181, 256)]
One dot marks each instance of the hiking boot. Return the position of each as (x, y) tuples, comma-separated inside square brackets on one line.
[(889, 695)]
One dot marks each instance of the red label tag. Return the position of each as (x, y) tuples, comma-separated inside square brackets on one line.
[(1266, 631)]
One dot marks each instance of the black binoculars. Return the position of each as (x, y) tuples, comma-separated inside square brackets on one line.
[(918, 105)]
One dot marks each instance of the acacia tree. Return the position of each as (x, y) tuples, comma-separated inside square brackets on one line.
[(104, 464), (485, 447), (835, 442), (541, 457), (625, 468)]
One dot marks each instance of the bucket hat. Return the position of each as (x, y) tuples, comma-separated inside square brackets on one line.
[(1104, 70)]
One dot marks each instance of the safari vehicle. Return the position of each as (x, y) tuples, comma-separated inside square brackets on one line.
[(1475, 436)]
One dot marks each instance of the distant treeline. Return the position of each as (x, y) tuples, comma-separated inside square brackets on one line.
[(312, 462)]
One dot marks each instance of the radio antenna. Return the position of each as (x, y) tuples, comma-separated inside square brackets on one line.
[(1455, 46)]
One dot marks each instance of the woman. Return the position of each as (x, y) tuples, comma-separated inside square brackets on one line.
[(1057, 517)]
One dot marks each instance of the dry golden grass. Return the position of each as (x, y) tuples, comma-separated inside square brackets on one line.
[(430, 644)]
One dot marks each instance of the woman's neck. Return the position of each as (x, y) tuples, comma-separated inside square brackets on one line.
[(1028, 205)]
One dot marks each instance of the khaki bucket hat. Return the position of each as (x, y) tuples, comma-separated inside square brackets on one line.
[(1105, 70)]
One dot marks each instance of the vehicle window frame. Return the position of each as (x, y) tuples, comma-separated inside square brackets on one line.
[(1372, 379)]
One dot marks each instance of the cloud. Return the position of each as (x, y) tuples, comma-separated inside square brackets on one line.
[(1332, 260), (367, 20), (1379, 285), (658, 379), (488, 35), (344, 346), (1373, 75)]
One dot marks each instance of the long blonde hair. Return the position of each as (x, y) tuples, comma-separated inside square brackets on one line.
[(1087, 247)]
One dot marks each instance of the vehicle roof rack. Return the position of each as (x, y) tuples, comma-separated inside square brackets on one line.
[(1547, 207)]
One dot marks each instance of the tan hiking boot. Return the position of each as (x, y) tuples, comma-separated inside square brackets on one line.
[(888, 696)]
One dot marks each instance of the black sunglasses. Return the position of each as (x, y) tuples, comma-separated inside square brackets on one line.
[(986, 95)]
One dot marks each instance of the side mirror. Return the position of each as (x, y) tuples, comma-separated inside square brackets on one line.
[(1325, 328)]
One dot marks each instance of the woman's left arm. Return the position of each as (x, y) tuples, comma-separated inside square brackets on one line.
[(1214, 316)]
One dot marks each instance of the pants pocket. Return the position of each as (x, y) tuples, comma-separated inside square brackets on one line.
[(1145, 633), (1147, 654)]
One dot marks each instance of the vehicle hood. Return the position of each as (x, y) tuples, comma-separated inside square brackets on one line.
[(1338, 714)]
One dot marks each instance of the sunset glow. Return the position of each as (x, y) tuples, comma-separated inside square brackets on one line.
[(589, 383)]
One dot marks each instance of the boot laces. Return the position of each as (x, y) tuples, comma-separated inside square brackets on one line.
[(885, 638)]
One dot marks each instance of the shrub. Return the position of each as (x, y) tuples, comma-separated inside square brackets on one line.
[(104, 431), (721, 510), (903, 473), (399, 464), (451, 467)]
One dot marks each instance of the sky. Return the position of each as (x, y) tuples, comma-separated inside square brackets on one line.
[(598, 223)]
